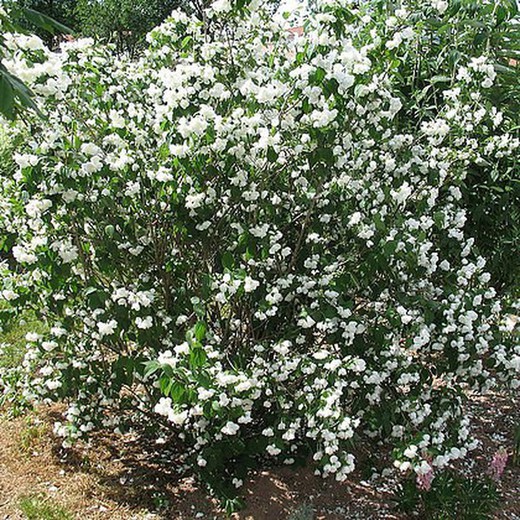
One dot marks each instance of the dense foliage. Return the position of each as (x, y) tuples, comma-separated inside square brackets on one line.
[(257, 244), (61, 11), (15, 96), (124, 23), (491, 191)]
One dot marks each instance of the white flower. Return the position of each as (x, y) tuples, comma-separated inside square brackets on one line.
[(273, 450), (177, 418), (30, 42), (69, 195), (395, 41), (166, 358), (423, 469), (440, 5), (195, 200), (164, 406), (116, 119), (321, 118), (183, 348), (36, 207), (24, 256), (444, 265), (33, 337), (90, 149), (244, 386), (108, 328), (410, 452), (181, 319), (307, 322), (205, 394), (250, 285), (68, 253), (221, 6), (179, 150), (355, 218), (321, 354), (49, 345), (144, 323), (259, 231), (163, 175), (53, 384), (26, 160), (58, 332), (230, 428), (9, 295), (403, 193)]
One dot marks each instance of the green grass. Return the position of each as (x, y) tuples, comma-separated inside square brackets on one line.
[(31, 435), (12, 339), (40, 507), (12, 351)]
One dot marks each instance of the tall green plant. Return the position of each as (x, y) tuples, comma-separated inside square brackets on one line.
[(491, 191)]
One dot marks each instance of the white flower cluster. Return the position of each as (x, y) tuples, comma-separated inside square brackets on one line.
[(256, 241)]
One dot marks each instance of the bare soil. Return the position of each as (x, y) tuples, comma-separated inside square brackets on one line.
[(118, 478)]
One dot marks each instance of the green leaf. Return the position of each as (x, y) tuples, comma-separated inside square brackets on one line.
[(231, 505), (200, 330), (441, 79), (6, 96), (501, 14), (186, 41), (25, 98), (165, 384), (150, 368), (197, 357), (109, 230), (206, 286), (480, 37), (45, 22), (272, 156), (227, 260), (19, 90), (177, 392), (504, 69)]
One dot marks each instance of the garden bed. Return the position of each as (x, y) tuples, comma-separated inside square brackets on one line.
[(120, 478)]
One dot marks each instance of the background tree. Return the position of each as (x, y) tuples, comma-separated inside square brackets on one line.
[(122, 22), (62, 11)]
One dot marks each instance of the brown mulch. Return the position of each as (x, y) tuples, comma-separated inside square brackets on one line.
[(117, 478)]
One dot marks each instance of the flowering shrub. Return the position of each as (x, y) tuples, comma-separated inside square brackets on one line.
[(255, 243)]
